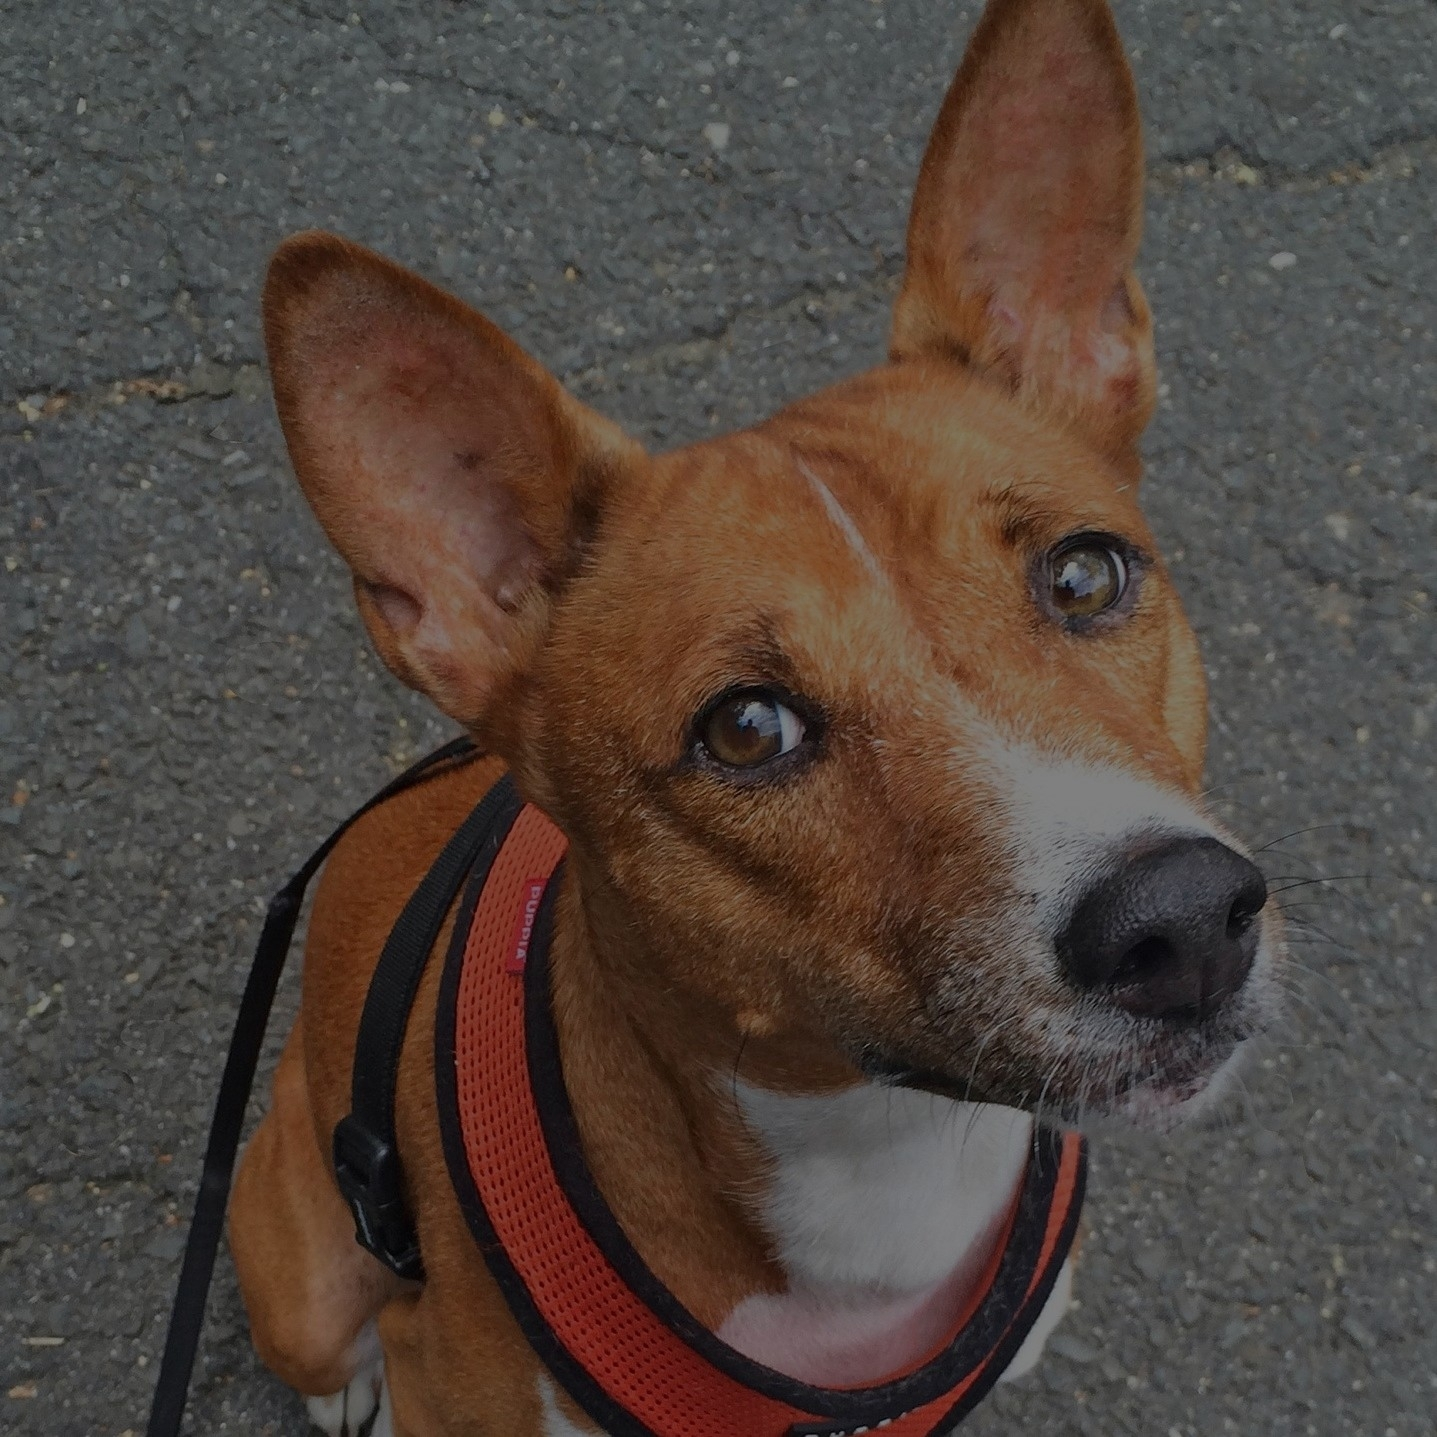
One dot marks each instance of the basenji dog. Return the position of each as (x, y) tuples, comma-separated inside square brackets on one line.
[(875, 733)]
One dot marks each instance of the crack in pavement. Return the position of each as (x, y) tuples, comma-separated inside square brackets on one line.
[(537, 117), (1399, 159), (38, 404), (1396, 157), (46, 403)]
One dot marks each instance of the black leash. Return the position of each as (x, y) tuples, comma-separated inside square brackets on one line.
[(366, 1144), (207, 1224)]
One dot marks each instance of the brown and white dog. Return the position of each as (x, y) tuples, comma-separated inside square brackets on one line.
[(876, 732)]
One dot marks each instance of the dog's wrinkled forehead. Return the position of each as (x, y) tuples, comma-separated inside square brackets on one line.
[(874, 542)]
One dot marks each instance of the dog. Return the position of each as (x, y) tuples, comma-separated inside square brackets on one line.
[(875, 734)]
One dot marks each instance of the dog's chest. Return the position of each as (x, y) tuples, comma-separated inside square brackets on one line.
[(884, 1207)]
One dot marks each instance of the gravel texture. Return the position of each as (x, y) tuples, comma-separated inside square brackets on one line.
[(693, 212)]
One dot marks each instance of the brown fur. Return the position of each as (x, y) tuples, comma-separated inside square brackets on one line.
[(574, 601)]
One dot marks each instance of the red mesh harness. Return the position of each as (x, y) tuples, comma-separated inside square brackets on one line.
[(620, 1343)]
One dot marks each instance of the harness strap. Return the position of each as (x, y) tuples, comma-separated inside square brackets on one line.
[(366, 1145), (207, 1224)]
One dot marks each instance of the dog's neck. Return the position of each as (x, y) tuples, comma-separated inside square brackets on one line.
[(833, 1235)]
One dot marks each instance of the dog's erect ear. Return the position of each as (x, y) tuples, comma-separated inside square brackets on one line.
[(1027, 218), (452, 472)]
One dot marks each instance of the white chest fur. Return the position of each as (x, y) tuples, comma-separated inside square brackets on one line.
[(884, 1206)]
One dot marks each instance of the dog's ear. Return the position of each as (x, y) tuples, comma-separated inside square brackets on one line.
[(452, 472), (1027, 219)]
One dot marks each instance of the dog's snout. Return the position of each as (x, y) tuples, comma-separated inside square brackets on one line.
[(1170, 935)]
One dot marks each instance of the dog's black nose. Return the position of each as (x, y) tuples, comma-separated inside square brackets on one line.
[(1170, 935)]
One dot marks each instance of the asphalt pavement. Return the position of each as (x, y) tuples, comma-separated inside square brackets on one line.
[(694, 212)]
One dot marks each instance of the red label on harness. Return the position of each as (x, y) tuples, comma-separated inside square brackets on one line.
[(532, 895)]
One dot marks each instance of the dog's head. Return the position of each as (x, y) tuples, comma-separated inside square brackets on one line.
[(878, 728)]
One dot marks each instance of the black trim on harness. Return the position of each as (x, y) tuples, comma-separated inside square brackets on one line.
[(1006, 1347), (188, 1312), (366, 1147)]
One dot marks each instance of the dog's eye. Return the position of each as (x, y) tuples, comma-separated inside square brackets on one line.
[(748, 728), (1085, 577)]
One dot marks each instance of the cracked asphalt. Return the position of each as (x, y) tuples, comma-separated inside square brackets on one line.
[(694, 213)]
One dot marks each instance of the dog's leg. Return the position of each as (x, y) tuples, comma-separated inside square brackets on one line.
[(343, 1413), (311, 1292)]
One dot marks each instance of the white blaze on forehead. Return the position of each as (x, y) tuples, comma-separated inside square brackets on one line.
[(842, 521)]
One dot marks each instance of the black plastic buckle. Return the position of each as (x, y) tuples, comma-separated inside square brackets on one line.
[(367, 1170)]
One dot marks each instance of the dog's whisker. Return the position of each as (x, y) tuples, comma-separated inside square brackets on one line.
[(1321, 879), (1297, 833), (1310, 933), (733, 1076), (1287, 1022)]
